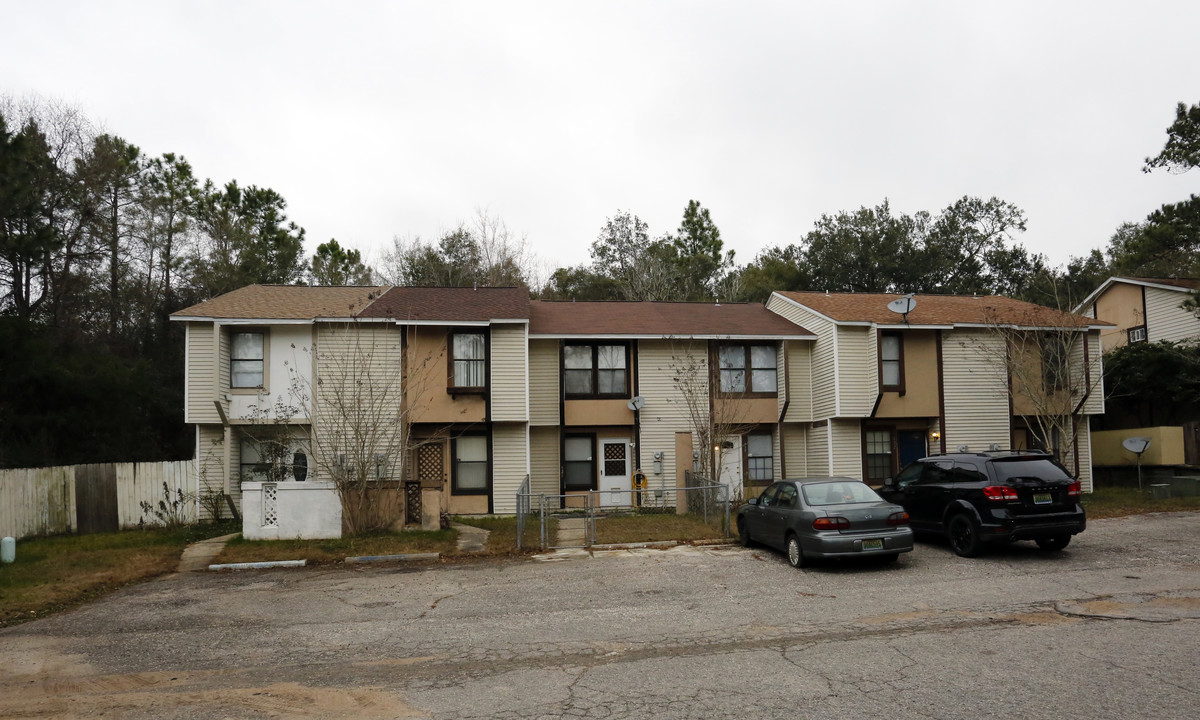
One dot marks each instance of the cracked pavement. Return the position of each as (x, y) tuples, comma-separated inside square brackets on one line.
[(1109, 628)]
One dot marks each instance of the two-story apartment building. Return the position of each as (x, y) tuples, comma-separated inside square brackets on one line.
[(467, 392), (889, 388)]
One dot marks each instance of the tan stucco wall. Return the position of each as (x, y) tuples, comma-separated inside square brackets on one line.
[(920, 398), (597, 412), (1166, 446), (1120, 304), (428, 378)]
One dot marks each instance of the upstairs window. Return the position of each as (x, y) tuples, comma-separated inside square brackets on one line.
[(1136, 334), (747, 368), (595, 371), (468, 358), (891, 361), (246, 355)]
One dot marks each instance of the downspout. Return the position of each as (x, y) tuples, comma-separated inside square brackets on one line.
[(942, 395)]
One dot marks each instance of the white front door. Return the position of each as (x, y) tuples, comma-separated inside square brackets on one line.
[(730, 462), (615, 478)]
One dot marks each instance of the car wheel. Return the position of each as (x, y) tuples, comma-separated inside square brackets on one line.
[(744, 533), (1053, 544), (963, 536), (794, 553)]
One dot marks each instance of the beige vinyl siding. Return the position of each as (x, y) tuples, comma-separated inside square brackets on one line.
[(509, 465), (222, 339), (823, 395), (1095, 401), (794, 449), (799, 380), (1085, 455), (975, 390), (858, 370), (665, 411), (509, 371), (543, 382), (357, 380), (210, 454), (543, 460), (201, 374), (847, 448), (817, 450), (1165, 320)]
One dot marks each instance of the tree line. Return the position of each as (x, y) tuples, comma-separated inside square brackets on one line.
[(100, 242)]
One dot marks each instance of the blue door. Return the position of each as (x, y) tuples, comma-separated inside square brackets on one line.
[(911, 446)]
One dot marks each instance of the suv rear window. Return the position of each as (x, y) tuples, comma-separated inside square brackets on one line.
[(1035, 468)]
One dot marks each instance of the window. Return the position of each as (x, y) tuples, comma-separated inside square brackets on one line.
[(1136, 334), (470, 464), (272, 460), (891, 361), (246, 354), (595, 370), (753, 362), (787, 496), (879, 454), (579, 465), (760, 463), (468, 355)]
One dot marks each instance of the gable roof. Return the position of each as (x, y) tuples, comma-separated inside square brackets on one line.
[(936, 310), (282, 302), (1172, 284), (451, 304), (659, 319)]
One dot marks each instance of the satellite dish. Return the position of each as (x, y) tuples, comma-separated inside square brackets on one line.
[(636, 403), (903, 305), (1136, 445)]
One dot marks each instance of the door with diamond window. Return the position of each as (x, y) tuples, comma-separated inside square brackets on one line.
[(615, 478)]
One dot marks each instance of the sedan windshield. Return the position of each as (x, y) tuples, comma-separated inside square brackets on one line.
[(838, 493)]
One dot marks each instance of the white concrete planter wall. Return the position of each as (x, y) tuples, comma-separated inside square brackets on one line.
[(284, 510)]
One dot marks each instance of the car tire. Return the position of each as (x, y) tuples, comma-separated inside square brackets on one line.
[(744, 533), (963, 536), (795, 554), (889, 558), (1053, 544)]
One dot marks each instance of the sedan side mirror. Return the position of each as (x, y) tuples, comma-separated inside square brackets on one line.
[(752, 501), (889, 482)]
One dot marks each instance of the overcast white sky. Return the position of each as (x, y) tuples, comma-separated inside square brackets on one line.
[(400, 118)]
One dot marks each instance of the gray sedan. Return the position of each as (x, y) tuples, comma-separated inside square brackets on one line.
[(825, 517)]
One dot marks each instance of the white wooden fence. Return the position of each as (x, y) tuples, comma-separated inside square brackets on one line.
[(42, 501)]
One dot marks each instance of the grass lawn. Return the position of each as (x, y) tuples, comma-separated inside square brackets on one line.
[(323, 552), (650, 527), (1109, 502), (54, 573), (503, 537)]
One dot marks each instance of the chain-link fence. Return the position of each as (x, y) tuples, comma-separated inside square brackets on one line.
[(598, 517)]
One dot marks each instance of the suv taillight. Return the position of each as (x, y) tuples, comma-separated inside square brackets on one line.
[(1074, 489), (900, 518), (831, 523), (999, 493)]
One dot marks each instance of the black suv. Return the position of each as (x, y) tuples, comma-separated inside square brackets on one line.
[(977, 498)]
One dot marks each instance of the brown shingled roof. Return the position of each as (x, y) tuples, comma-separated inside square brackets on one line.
[(451, 304), (658, 319), (937, 310), (284, 302)]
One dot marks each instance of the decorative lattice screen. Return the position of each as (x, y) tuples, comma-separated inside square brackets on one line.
[(270, 505)]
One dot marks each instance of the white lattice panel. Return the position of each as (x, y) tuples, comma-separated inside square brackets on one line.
[(270, 505)]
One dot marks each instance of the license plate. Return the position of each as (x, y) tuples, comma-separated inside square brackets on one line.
[(1042, 498), (872, 544)]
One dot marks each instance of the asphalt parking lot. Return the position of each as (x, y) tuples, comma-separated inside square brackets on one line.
[(1109, 628)]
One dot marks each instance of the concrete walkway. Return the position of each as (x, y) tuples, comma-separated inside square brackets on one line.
[(198, 556), (470, 538), (571, 532)]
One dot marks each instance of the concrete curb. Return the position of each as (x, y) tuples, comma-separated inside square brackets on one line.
[(406, 557), (259, 565)]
